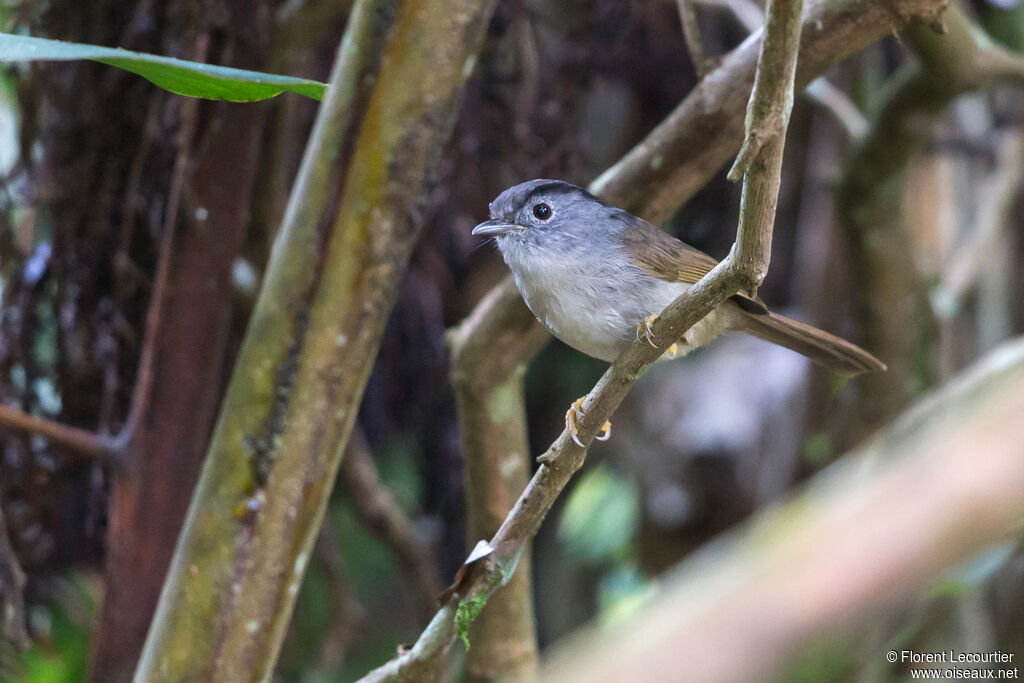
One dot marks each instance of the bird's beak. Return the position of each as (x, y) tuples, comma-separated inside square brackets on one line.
[(494, 227)]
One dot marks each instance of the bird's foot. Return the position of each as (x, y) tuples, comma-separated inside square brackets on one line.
[(576, 410), (644, 331)]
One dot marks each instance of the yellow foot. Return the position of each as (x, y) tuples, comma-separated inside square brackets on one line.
[(576, 410), (570, 419), (644, 331)]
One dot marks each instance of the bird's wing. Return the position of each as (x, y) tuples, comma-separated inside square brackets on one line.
[(662, 256)]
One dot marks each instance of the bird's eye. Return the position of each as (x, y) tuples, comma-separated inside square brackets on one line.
[(542, 211)]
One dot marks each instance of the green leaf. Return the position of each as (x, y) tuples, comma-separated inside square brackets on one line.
[(179, 76)]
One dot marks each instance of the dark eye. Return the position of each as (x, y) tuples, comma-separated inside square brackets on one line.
[(542, 211)]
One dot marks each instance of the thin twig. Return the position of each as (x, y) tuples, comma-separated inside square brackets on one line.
[(702, 64), (768, 111), (744, 268), (143, 388), (122, 260), (77, 441)]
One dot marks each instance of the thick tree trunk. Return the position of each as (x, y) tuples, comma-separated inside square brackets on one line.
[(148, 162), (308, 351), (150, 494)]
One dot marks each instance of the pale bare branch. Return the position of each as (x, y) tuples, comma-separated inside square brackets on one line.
[(791, 575)]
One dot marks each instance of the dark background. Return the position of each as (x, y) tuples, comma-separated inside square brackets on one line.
[(90, 163)]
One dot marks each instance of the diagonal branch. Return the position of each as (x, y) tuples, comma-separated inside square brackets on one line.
[(744, 268), (653, 180)]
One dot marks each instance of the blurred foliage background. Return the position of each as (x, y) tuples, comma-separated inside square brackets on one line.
[(91, 158)]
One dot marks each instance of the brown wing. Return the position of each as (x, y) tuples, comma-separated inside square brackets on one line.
[(666, 258), (662, 255)]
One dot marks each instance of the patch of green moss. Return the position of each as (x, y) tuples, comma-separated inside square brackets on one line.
[(468, 610)]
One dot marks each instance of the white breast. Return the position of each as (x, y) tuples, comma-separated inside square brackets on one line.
[(595, 306)]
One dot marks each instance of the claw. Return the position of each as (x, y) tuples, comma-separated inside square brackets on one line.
[(647, 331), (576, 409), (570, 419)]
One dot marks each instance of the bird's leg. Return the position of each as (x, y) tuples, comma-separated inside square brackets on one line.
[(643, 330), (576, 409)]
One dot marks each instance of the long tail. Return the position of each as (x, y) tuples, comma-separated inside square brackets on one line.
[(826, 349)]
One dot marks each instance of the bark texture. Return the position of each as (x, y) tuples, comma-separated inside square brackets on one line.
[(351, 223)]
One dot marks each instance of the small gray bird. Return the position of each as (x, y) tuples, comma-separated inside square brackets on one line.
[(597, 276)]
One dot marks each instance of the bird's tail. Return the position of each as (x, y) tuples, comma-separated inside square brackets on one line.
[(823, 348)]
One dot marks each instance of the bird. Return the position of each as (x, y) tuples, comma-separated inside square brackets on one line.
[(597, 276)]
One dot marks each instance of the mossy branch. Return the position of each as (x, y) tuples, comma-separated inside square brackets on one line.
[(350, 226)]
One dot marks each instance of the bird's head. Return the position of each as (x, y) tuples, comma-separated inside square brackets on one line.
[(544, 213)]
